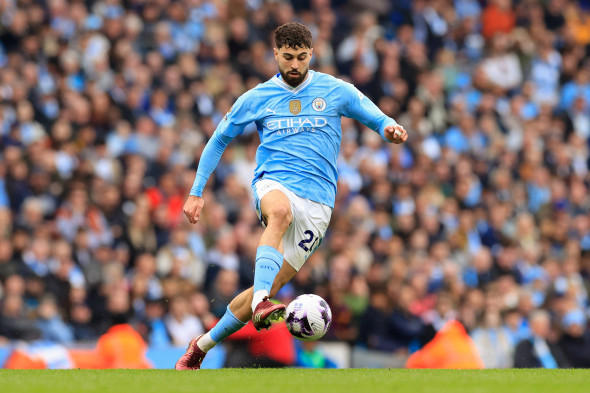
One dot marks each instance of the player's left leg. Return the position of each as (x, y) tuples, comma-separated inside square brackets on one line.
[(238, 313)]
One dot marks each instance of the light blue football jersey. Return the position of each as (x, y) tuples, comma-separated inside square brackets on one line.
[(299, 130)]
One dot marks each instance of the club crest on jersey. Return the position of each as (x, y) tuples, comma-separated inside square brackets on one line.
[(295, 107), (319, 104)]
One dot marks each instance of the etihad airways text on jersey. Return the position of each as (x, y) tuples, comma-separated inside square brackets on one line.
[(296, 122)]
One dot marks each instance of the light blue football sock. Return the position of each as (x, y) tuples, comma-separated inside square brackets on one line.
[(227, 325), (268, 263)]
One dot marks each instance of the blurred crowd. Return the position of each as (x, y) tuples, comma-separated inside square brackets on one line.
[(482, 216)]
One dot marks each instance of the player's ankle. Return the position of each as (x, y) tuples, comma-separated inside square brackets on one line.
[(205, 343), (258, 297)]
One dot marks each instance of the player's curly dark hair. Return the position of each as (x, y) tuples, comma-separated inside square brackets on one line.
[(293, 35)]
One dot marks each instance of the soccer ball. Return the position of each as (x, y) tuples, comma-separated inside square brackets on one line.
[(308, 317)]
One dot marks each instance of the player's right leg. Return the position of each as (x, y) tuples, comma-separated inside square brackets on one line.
[(239, 310)]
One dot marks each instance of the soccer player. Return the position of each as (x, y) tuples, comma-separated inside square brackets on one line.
[(297, 113)]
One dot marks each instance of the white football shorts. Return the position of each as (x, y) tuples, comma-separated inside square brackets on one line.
[(310, 222)]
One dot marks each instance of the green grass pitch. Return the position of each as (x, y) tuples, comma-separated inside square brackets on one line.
[(295, 380)]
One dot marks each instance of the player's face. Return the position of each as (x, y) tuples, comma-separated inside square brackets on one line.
[(293, 64)]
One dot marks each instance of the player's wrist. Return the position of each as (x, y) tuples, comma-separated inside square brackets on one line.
[(389, 136), (198, 186), (196, 193)]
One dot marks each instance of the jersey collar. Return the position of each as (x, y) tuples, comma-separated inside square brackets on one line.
[(279, 81)]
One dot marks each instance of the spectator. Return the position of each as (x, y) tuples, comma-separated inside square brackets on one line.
[(181, 324), (538, 351), (37, 257), (373, 325), (156, 333), (407, 329), (502, 70), (76, 213), (575, 341), (223, 290), (50, 324), (200, 306), (80, 322), (14, 324), (8, 265), (140, 236), (177, 259), (493, 341)]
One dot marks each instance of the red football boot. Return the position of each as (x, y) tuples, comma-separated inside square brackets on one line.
[(192, 358), (267, 312)]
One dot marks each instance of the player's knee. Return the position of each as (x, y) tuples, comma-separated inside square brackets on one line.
[(281, 216)]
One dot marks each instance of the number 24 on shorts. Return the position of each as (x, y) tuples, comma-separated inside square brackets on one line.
[(311, 238)]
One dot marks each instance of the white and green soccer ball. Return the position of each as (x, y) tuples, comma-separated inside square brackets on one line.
[(308, 317)]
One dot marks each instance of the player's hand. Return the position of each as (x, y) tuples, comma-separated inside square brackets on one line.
[(193, 207), (396, 134)]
